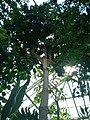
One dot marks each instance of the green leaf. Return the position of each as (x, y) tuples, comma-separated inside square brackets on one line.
[(60, 70), (3, 99), (82, 110), (9, 87), (19, 97), (1, 89), (34, 70), (3, 93), (3, 36), (8, 106), (14, 100)]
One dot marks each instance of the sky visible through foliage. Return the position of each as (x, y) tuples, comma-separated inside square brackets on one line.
[(27, 102), (41, 1), (68, 71)]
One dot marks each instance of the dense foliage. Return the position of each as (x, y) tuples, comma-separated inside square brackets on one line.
[(60, 32)]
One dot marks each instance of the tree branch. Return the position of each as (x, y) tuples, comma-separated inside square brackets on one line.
[(50, 59), (36, 55), (31, 101), (35, 2)]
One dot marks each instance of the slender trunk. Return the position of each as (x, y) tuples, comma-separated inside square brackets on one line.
[(58, 110), (43, 110)]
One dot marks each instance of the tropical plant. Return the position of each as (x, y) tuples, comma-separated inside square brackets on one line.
[(14, 101), (50, 35), (85, 113), (25, 114)]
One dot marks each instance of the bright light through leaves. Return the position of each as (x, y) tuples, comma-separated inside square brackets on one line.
[(69, 70)]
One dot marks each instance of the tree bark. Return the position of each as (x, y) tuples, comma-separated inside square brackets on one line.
[(43, 109), (58, 109)]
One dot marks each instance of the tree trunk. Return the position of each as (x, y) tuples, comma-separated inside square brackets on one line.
[(58, 109), (43, 110)]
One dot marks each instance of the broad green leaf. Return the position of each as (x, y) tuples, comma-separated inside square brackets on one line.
[(19, 97), (8, 106)]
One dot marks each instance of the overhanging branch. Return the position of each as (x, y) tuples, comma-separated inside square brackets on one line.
[(31, 101)]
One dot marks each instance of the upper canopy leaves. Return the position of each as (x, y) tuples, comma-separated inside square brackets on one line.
[(59, 31)]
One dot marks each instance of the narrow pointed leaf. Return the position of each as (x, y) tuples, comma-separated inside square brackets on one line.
[(8, 106), (19, 98)]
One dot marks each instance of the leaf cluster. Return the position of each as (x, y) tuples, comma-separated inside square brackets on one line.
[(14, 101)]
